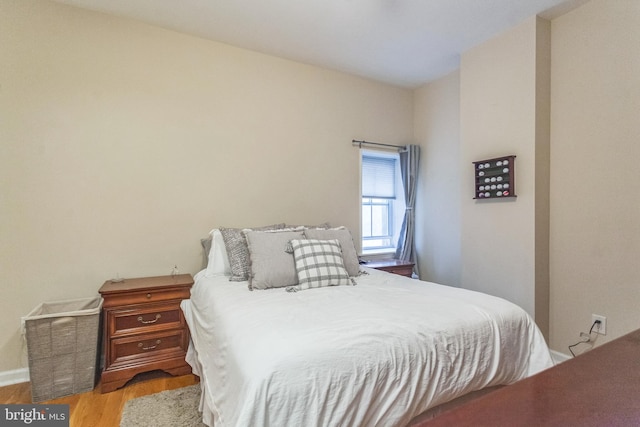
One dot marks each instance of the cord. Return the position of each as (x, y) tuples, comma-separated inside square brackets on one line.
[(597, 322)]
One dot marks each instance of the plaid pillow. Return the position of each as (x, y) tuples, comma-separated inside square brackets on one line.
[(318, 263), (349, 254)]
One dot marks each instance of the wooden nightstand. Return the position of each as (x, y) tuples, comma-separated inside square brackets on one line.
[(144, 328), (395, 266)]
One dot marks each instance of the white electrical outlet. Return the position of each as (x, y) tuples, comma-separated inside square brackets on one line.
[(602, 327)]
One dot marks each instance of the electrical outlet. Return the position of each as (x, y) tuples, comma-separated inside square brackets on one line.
[(602, 327)]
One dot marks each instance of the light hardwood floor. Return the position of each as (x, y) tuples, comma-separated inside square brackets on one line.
[(94, 409)]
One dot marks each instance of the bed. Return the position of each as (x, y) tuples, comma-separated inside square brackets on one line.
[(377, 354)]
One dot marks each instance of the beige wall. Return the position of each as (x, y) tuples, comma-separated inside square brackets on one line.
[(595, 174), (499, 89), (581, 183), (123, 144), (437, 127)]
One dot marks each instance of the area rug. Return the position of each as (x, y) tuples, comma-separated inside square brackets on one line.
[(171, 408)]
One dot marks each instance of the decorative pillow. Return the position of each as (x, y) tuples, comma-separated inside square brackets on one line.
[(318, 264), (236, 246), (349, 254), (217, 259), (323, 226), (271, 266)]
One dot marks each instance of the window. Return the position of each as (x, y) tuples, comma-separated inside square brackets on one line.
[(382, 201), (377, 218)]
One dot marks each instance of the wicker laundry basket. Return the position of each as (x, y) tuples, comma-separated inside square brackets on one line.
[(62, 344)]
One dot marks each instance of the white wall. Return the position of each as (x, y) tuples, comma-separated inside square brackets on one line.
[(437, 128), (595, 175), (123, 144)]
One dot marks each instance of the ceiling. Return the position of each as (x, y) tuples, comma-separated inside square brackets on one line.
[(401, 42)]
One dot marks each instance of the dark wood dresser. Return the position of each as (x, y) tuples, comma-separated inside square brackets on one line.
[(395, 266), (598, 388), (144, 328)]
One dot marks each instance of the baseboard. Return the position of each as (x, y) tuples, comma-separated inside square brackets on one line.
[(559, 357), (14, 377)]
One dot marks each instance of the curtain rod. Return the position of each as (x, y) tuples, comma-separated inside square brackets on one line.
[(355, 142)]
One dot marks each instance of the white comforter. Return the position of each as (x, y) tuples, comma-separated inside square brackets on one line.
[(375, 354)]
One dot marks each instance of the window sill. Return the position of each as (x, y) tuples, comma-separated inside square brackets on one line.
[(378, 253)]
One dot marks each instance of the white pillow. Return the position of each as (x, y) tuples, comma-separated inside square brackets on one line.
[(218, 260)]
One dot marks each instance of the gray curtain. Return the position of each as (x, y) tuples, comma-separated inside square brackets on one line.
[(409, 165)]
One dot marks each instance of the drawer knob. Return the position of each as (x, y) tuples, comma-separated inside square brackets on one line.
[(148, 296), (151, 347), (146, 322)]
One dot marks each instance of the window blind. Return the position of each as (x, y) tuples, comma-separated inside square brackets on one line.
[(378, 177)]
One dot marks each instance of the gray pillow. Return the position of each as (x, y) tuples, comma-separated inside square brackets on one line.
[(236, 245), (271, 266), (318, 264), (324, 225), (349, 254)]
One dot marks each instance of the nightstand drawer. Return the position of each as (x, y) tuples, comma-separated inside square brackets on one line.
[(147, 296), (148, 346), (164, 316)]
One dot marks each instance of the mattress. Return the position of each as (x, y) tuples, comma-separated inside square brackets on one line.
[(376, 354)]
